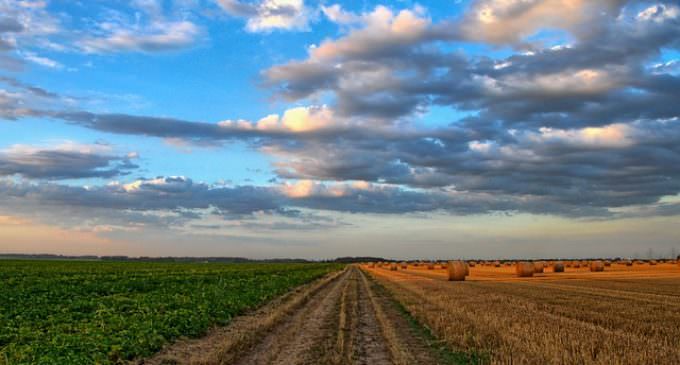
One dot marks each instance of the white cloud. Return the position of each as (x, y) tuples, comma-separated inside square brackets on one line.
[(511, 21), (336, 14), (612, 136), (269, 15), (659, 13), (382, 29), (310, 188), (298, 120), (159, 35), (42, 61)]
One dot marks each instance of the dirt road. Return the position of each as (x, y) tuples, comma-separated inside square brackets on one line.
[(344, 319)]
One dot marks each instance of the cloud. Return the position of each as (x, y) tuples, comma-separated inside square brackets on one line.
[(139, 26), (155, 35), (585, 128), (659, 13), (24, 24), (65, 161), (380, 72), (33, 90), (298, 119), (512, 21), (336, 14), (10, 25), (269, 15), (178, 202), (20, 100), (42, 61)]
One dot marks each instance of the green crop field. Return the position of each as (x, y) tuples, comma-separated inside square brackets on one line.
[(66, 312)]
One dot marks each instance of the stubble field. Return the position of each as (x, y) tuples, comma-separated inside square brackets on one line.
[(624, 315)]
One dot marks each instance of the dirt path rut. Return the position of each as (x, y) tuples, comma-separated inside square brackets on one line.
[(341, 320)]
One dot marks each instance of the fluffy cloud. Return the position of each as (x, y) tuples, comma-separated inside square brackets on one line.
[(378, 70), (268, 15), (586, 128), (299, 119), (511, 21)]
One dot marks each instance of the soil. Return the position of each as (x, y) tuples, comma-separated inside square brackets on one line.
[(341, 319)]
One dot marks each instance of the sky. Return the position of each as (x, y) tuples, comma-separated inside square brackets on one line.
[(317, 129)]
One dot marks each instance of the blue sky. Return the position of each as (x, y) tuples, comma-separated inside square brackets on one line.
[(277, 127)]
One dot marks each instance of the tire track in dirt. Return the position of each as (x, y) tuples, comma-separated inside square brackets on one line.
[(298, 339), (344, 319)]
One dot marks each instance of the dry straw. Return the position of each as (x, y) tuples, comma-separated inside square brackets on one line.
[(539, 266), (524, 269), (596, 266), (558, 266), (457, 270)]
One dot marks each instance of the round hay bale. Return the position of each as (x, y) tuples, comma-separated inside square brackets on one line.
[(524, 269), (652, 262), (576, 265), (457, 270), (607, 263), (539, 266), (558, 266), (472, 264), (404, 265), (393, 267), (628, 263), (596, 266), (497, 264), (430, 266), (371, 265)]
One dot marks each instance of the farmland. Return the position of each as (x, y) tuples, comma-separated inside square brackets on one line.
[(624, 315), (66, 312), (396, 313)]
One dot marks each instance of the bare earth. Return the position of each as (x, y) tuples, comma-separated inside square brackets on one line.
[(341, 319)]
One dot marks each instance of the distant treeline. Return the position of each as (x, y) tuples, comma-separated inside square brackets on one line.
[(146, 258), (179, 259), (346, 260)]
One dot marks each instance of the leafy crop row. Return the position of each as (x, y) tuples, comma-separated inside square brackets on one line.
[(54, 312)]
